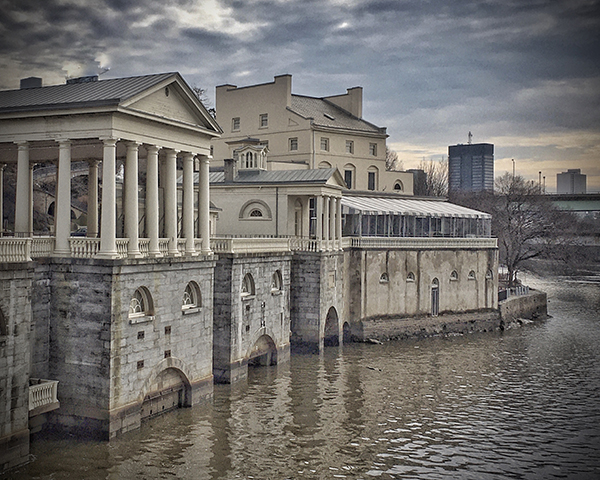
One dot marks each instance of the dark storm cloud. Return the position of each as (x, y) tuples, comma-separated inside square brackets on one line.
[(431, 70)]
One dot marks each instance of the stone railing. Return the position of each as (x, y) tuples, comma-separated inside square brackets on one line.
[(42, 392), (83, 247), (250, 245), (415, 243)]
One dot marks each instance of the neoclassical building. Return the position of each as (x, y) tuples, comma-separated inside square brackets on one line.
[(303, 132)]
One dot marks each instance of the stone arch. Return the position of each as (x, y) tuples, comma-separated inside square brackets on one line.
[(166, 388), (263, 352), (331, 334), (249, 209)]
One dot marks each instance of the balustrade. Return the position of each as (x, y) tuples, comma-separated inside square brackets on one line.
[(42, 392)]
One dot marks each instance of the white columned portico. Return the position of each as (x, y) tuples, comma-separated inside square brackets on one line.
[(188, 203), (22, 200), (152, 204), (170, 193), (204, 203), (92, 220), (62, 210), (131, 209), (108, 231)]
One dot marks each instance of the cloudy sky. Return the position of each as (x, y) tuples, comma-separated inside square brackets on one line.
[(521, 74)]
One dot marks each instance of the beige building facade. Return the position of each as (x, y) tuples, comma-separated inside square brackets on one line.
[(303, 132)]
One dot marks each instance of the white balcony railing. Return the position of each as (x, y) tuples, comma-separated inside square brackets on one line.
[(415, 243), (42, 393)]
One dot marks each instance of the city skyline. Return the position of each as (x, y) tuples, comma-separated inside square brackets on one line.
[(523, 76)]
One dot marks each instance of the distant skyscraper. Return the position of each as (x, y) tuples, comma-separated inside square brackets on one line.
[(571, 181), (471, 167)]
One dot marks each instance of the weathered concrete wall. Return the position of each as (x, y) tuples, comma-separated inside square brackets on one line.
[(398, 282), (532, 306), (317, 291), (241, 320), (15, 362)]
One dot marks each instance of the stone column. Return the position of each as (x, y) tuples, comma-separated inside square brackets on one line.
[(62, 207), (2, 166), (338, 222), (108, 230), (326, 223), (319, 220), (22, 200), (170, 194), (204, 203), (152, 209), (30, 227), (92, 210), (332, 213), (131, 208), (188, 203)]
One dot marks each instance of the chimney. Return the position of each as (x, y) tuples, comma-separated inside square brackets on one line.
[(31, 82), (229, 169)]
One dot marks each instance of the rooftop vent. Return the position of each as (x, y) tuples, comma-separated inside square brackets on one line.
[(86, 79), (31, 82)]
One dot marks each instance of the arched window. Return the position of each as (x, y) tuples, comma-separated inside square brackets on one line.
[(372, 178), (471, 275), (398, 186), (255, 210), (349, 174), (141, 304), (384, 278), (410, 277), (276, 282), (324, 165), (248, 286), (489, 275), (454, 275), (191, 297)]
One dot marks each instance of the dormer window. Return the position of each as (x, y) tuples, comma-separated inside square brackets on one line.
[(251, 157)]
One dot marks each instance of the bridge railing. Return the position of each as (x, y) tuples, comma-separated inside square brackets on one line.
[(42, 393)]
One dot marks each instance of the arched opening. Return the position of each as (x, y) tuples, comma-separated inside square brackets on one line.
[(324, 165), (263, 353), (3, 324), (141, 304), (248, 288), (435, 297), (191, 297), (169, 390), (347, 332), (331, 337)]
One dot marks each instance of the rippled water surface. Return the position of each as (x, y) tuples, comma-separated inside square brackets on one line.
[(520, 404)]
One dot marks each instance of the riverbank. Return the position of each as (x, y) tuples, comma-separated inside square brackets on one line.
[(512, 312)]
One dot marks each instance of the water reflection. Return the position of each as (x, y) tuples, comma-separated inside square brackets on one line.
[(522, 404)]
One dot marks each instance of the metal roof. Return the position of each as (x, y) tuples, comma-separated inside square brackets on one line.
[(102, 92), (407, 206), (320, 175), (326, 114)]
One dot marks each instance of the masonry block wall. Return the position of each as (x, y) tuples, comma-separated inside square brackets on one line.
[(245, 323), (108, 363), (317, 287), (15, 362)]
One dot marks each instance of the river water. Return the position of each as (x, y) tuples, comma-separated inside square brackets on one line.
[(523, 404)]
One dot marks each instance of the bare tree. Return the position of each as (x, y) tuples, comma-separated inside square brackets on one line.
[(392, 162), (436, 177)]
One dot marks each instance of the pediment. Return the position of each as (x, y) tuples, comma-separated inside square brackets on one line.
[(172, 102), (337, 180)]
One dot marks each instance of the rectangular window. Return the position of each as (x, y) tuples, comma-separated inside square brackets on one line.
[(348, 178), (371, 185), (140, 364), (167, 353), (235, 124), (294, 143), (373, 149), (325, 144), (263, 120), (349, 146)]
